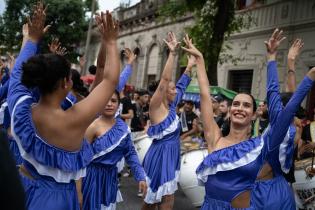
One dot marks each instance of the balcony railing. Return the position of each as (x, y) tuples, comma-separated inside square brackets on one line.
[(281, 14)]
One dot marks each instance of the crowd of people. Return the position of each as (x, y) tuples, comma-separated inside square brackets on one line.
[(68, 140)]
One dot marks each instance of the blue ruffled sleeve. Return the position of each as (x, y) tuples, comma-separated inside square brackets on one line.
[(132, 160), (16, 89), (69, 101), (273, 93), (279, 129), (124, 76), (181, 86)]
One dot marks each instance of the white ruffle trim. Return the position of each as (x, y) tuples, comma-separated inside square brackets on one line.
[(2, 109), (120, 165), (58, 175), (111, 148), (112, 206), (248, 158), (282, 152), (167, 188), (170, 129), (71, 102)]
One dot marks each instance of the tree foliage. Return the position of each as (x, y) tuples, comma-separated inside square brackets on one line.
[(215, 21), (67, 19)]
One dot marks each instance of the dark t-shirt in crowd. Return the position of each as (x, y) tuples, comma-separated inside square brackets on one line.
[(263, 125), (11, 192), (126, 105), (306, 137), (139, 119), (189, 120)]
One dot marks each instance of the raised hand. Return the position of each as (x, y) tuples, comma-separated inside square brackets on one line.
[(25, 31), (130, 55), (295, 49), (54, 45), (11, 61), (274, 41), (36, 23), (311, 73), (56, 48), (171, 42), (109, 27), (190, 48), (191, 61)]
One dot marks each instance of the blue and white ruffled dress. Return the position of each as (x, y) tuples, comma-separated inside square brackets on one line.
[(100, 186), (53, 170), (162, 161)]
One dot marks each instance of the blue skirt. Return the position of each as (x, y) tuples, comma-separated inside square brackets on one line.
[(214, 204), (100, 187), (50, 195), (162, 165), (273, 194)]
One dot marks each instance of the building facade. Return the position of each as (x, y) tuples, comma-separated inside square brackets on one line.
[(142, 30)]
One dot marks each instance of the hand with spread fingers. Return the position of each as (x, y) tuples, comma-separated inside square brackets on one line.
[(295, 49), (274, 42), (54, 45), (109, 27), (36, 23), (56, 48), (131, 57), (171, 42), (190, 48)]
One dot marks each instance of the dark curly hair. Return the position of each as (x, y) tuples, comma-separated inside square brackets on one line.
[(45, 71), (78, 85)]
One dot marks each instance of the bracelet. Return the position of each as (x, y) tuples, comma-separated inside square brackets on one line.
[(291, 71)]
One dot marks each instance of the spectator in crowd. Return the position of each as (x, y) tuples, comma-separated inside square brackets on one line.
[(261, 121), (141, 109), (189, 121), (224, 110)]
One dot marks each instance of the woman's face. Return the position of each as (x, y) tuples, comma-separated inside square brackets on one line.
[(242, 110), (171, 92), (112, 106)]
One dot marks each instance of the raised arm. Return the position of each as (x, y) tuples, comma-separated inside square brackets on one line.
[(86, 110), (184, 80), (127, 71), (211, 130), (166, 77), (279, 129), (294, 51), (273, 93), (36, 30), (101, 58)]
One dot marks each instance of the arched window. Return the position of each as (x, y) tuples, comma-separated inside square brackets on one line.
[(153, 60)]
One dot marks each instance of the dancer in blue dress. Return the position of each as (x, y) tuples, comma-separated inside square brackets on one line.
[(50, 140), (162, 161), (271, 190), (230, 170), (111, 141)]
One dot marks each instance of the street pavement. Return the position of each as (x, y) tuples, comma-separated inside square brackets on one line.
[(129, 189)]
